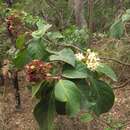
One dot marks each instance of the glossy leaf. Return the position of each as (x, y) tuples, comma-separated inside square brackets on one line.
[(84, 87), (40, 24), (36, 50), (65, 55), (20, 42), (125, 17), (41, 31), (105, 69), (36, 88), (128, 11), (44, 113), (21, 58), (55, 35), (102, 95), (80, 71), (117, 29), (67, 91)]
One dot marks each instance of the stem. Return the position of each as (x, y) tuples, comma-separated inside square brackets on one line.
[(122, 85), (83, 50), (112, 59), (16, 87)]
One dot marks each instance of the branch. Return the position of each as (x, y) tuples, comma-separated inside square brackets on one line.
[(78, 49), (63, 45), (112, 59), (122, 85)]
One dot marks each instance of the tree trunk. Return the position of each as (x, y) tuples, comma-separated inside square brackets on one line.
[(90, 21), (119, 7), (78, 7), (90, 12)]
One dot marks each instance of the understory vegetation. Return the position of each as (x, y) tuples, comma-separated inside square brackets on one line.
[(74, 58)]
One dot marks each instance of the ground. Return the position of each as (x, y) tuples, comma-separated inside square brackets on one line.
[(10, 119)]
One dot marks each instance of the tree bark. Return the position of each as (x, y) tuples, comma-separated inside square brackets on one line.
[(90, 12), (119, 7), (78, 7)]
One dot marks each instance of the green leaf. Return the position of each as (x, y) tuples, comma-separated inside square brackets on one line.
[(80, 71), (105, 69), (36, 88), (44, 113), (42, 29), (109, 128), (125, 17), (37, 50), (21, 58), (87, 117), (67, 91), (128, 11), (102, 95), (20, 42), (84, 87), (55, 35), (65, 55), (40, 24), (117, 29), (44, 90)]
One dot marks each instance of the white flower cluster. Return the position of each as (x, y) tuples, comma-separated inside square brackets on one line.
[(91, 59), (80, 56)]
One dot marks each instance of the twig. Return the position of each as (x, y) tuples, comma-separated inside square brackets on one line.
[(63, 45), (78, 49), (71, 46), (122, 85), (112, 59)]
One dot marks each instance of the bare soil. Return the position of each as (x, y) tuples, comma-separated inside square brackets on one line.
[(10, 119)]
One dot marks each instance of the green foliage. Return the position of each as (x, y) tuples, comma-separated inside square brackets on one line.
[(97, 97), (36, 88), (73, 85), (86, 117), (66, 91), (109, 128), (20, 42), (78, 37), (42, 29), (69, 82), (117, 29), (105, 69), (126, 16), (102, 95), (44, 113), (21, 58), (79, 72), (65, 55), (36, 49)]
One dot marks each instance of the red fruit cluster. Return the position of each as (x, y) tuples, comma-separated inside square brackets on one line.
[(10, 24), (37, 70), (14, 25)]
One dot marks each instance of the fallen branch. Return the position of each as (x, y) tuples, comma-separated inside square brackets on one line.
[(112, 59), (122, 85)]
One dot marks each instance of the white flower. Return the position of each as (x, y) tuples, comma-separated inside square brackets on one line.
[(80, 56), (92, 60), (88, 50)]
